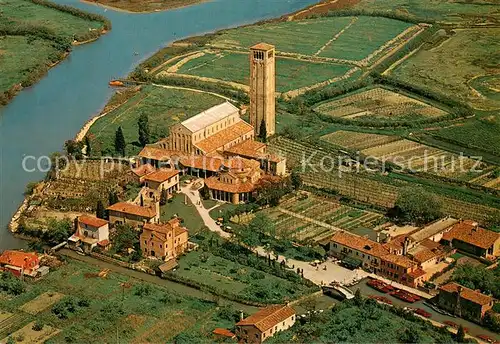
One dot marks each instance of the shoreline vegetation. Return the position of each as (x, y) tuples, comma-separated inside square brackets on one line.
[(51, 42), (141, 6)]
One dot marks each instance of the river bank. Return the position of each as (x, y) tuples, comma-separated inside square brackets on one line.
[(142, 7)]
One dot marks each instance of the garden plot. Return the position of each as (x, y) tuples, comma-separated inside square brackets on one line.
[(408, 154), (311, 218), (41, 302), (379, 104), (27, 335)]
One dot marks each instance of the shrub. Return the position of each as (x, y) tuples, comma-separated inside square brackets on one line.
[(37, 326)]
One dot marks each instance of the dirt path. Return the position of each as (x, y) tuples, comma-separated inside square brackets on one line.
[(157, 68), (334, 38), (205, 79)]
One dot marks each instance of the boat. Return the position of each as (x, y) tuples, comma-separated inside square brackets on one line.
[(116, 83), (404, 296), (450, 323), (437, 309), (381, 299), (380, 286), (423, 312), (486, 338)]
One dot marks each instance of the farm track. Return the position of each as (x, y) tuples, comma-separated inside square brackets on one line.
[(334, 38), (13, 323)]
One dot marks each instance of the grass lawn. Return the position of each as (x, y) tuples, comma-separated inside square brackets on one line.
[(452, 66), (302, 37), (220, 210), (447, 11), (164, 107), (192, 220), (364, 37), (155, 315), (61, 23), (19, 55), (236, 279), (290, 74)]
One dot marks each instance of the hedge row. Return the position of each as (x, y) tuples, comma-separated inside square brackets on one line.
[(374, 13)]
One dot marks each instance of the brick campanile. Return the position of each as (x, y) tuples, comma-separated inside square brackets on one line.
[(262, 88)]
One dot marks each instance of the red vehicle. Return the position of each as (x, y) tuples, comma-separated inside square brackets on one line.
[(423, 313)]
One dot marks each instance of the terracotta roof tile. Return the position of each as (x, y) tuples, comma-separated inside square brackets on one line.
[(223, 137), (214, 184), (417, 273), (468, 294), (162, 175), (248, 148), (143, 170), (163, 229), (154, 153), (223, 332), (18, 258), (469, 232), (359, 243), (262, 46), (134, 209), (268, 317), (399, 260), (92, 221)]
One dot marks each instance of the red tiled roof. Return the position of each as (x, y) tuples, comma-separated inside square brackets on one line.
[(155, 153), (268, 317), (18, 258), (359, 243), (223, 332), (215, 184), (143, 170), (416, 273), (469, 232), (399, 260), (202, 162), (134, 209), (92, 221), (162, 175), (163, 229), (262, 46), (248, 148), (103, 243), (224, 137), (467, 294)]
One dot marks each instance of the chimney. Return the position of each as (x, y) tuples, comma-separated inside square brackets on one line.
[(405, 246), (378, 237), (241, 315)]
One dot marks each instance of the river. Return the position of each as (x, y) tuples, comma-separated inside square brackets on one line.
[(39, 120)]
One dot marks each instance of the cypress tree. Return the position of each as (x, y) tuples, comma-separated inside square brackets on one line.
[(113, 198), (460, 334), (87, 144), (120, 142), (100, 211), (263, 131), (143, 124)]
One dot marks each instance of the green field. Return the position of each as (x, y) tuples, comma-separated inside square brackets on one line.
[(453, 11), (482, 133), (192, 219), (450, 67), (61, 23), (19, 56), (234, 279), (164, 108), (138, 313), (302, 37), (365, 36), (291, 74)]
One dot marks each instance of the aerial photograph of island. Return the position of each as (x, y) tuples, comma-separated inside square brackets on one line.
[(248, 171)]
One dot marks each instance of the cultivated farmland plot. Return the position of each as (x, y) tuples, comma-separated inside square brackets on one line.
[(379, 104), (308, 217), (409, 154)]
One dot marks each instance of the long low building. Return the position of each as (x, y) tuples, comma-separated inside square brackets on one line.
[(467, 236)]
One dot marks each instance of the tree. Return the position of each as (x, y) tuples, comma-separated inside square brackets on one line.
[(358, 299), (410, 335), (144, 134), (163, 197), (126, 237), (74, 148), (460, 334), (415, 205), (296, 180), (113, 198), (88, 149), (100, 211), (263, 131), (142, 200), (120, 142), (37, 326)]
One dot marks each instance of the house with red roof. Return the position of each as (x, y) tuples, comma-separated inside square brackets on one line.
[(20, 263), (90, 232), (467, 236), (164, 240), (133, 214), (265, 323), (464, 302)]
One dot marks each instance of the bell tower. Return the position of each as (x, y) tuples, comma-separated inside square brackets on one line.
[(263, 88)]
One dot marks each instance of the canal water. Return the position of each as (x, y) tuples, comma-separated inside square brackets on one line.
[(42, 117)]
